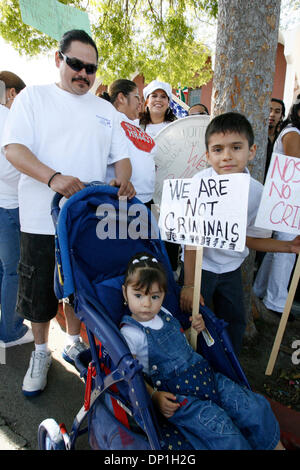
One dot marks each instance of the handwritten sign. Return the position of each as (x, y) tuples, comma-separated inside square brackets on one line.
[(53, 18), (280, 203), (210, 211), (180, 151)]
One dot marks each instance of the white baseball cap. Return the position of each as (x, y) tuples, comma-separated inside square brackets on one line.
[(156, 85)]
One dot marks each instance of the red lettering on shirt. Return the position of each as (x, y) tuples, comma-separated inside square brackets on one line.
[(138, 137)]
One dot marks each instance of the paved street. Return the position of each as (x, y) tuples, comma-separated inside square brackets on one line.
[(61, 400)]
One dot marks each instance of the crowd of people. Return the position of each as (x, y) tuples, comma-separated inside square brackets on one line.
[(84, 137)]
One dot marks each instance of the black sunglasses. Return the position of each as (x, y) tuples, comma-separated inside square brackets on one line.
[(77, 65)]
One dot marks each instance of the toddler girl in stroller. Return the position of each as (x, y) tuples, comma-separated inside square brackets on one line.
[(211, 411)]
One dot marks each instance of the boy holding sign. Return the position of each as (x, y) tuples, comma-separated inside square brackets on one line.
[(229, 141)]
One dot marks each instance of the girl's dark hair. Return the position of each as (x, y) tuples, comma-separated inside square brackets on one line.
[(230, 122), (76, 35), (293, 117), (118, 86), (143, 270)]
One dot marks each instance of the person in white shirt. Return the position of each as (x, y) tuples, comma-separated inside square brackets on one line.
[(59, 137), (124, 95), (273, 277), (13, 331), (230, 145)]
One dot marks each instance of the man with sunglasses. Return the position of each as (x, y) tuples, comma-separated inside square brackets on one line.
[(58, 136)]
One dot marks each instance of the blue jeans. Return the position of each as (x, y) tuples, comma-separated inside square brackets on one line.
[(244, 421), (11, 324), (1, 275)]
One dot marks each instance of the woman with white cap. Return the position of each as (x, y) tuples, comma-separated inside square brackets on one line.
[(157, 113)]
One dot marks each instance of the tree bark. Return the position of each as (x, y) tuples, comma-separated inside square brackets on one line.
[(246, 46)]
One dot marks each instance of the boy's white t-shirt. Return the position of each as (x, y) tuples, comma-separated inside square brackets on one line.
[(221, 261), (137, 340), (9, 176), (77, 135), (142, 150)]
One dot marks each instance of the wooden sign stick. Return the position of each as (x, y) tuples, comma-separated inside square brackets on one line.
[(196, 297), (284, 318)]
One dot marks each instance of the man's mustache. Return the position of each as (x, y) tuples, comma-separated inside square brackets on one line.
[(81, 79)]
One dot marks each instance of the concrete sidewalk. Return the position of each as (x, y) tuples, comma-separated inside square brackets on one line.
[(20, 416)]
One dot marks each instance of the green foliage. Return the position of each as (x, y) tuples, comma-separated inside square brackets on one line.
[(153, 37)]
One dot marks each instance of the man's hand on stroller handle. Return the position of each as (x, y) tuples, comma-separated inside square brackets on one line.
[(66, 185)]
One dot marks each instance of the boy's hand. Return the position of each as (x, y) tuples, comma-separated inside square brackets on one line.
[(198, 323), (186, 299), (295, 245), (166, 403)]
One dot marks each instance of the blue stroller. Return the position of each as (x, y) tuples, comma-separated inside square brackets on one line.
[(96, 235)]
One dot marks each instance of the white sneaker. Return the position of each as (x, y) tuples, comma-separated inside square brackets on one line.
[(35, 379), (71, 352), (27, 338)]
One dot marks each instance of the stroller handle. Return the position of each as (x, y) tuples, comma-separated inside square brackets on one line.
[(55, 209)]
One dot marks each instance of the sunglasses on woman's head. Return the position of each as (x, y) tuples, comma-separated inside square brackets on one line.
[(77, 65)]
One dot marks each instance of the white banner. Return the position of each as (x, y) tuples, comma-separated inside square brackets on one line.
[(180, 151), (210, 211), (280, 203)]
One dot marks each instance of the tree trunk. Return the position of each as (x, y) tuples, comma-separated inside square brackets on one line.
[(243, 80)]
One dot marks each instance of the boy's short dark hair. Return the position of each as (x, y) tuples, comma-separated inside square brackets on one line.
[(230, 122), (76, 35)]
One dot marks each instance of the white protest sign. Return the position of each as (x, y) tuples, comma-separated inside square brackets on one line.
[(180, 151), (209, 212), (280, 203)]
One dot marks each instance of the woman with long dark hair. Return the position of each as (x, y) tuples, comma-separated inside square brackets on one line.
[(272, 280), (157, 112), (124, 96)]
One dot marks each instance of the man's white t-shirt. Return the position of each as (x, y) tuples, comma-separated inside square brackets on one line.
[(142, 149), (77, 135), (221, 261), (9, 176)]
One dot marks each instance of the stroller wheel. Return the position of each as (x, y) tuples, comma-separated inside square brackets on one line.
[(50, 436)]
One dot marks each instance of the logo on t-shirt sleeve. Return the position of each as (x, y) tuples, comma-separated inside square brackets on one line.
[(138, 137)]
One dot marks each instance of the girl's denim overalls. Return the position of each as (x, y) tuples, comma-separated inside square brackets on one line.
[(215, 412)]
